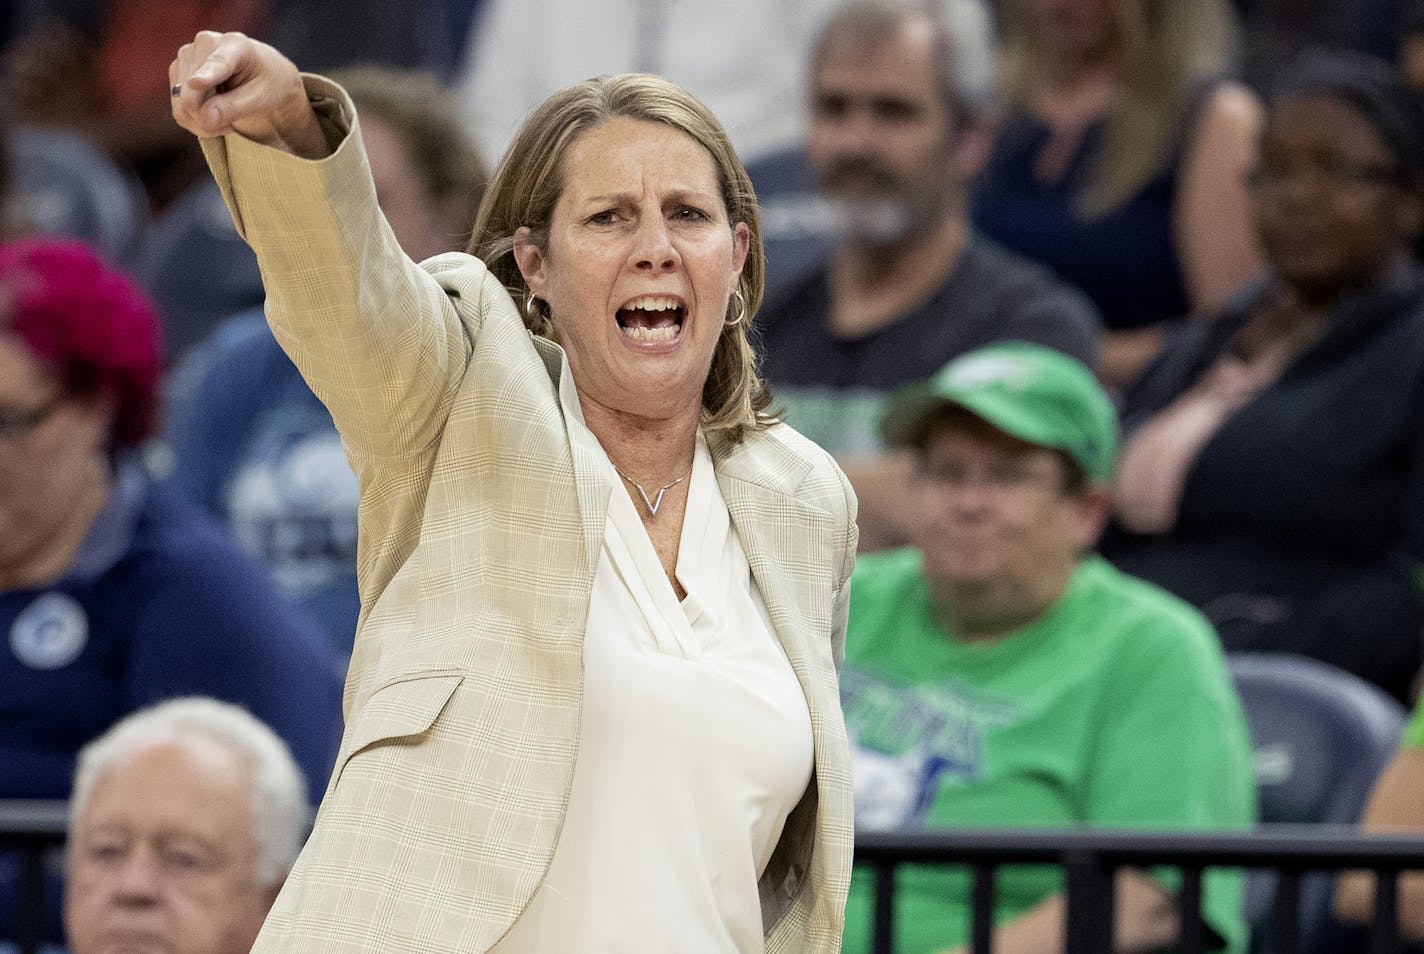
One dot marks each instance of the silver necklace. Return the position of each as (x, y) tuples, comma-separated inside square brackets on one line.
[(652, 504)]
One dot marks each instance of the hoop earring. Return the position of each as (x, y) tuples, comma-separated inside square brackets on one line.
[(741, 301), (531, 306)]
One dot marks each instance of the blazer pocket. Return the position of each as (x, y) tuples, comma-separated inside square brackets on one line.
[(400, 710)]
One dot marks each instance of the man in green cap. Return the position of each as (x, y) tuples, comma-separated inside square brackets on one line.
[(999, 673)]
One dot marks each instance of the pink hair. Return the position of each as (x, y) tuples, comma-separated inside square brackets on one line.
[(90, 322)]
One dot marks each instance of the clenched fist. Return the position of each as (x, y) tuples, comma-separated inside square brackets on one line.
[(231, 83)]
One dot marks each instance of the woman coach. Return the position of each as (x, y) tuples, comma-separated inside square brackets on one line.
[(592, 703)]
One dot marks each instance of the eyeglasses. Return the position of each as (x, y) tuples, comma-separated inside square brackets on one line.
[(17, 422), (995, 478), (1323, 175)]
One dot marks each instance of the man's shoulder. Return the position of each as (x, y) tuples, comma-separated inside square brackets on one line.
[(997, 272), (997, 295), (887, 599), (1144, 618), (805, 293), (174, 540), (1136, 596), (882, 573)]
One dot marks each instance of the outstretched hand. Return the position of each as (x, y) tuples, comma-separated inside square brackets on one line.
[(231, 83)]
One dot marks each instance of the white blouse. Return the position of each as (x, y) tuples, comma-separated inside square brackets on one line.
[(695, 745)]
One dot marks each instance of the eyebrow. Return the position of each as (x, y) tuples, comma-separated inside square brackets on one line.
[(103, 829), (675, 195), (204, 843)]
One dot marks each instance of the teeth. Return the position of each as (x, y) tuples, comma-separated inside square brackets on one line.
[(643, 333), (653, 303)]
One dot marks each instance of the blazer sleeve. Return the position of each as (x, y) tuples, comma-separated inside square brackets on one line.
[(378, 339), (840, 614)]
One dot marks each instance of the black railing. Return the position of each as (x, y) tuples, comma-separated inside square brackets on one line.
[(33, 829), (1091, 857)]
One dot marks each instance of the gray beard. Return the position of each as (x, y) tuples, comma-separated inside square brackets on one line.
[(870, 221)]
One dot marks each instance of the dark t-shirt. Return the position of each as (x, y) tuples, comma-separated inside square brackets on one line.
[(833, 388)]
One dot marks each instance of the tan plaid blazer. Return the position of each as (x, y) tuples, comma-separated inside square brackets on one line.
[(480, 531)]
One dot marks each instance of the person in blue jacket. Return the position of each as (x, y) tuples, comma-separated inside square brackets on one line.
[(112, 594)]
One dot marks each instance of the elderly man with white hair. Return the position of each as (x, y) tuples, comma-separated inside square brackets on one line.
[(185, 819)]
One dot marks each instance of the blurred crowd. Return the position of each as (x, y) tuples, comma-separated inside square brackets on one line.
[(1111, 310)]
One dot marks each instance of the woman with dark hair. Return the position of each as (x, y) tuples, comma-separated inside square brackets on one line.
[(592, 702), (1272, 470), (111, 595)]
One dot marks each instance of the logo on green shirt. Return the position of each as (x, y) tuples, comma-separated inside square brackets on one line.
[(909, 740)]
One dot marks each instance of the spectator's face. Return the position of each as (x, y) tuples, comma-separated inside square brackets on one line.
[(640, 263), (163, 857), (1072, 29), (998, 529), (882, 135), (1330, 202), (52, 457), (422, 224)]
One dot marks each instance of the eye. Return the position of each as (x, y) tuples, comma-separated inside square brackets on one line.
[(106, 852), (181, 860), (186, 858), (953, 475), (1005, 474), (606, 217), (896, 110), (687, 213), (828, 106)]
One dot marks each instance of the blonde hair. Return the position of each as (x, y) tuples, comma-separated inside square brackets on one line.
[(1165, 50), (526, 187)]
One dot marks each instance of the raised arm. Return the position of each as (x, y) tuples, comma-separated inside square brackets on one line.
[(377, 337), (383, 342)]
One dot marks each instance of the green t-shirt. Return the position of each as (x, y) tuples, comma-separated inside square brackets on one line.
[(845, 421), (1113, 708), (1414, 728)]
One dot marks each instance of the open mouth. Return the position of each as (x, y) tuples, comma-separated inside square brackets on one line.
[(652, 318)]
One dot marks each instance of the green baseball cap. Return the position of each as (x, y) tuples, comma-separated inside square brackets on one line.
[(1034, 393)]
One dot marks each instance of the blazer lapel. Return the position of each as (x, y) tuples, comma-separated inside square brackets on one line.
[(785, 539), (589, 481)]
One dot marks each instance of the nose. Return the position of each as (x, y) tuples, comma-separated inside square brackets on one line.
[(969, 499), (945, 506), (861, 134), (973, 502), (655, 251), (136, 879), (1297, 189)]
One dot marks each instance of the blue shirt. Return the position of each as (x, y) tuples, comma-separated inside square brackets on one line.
[(253, 446), (1125, 261)]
